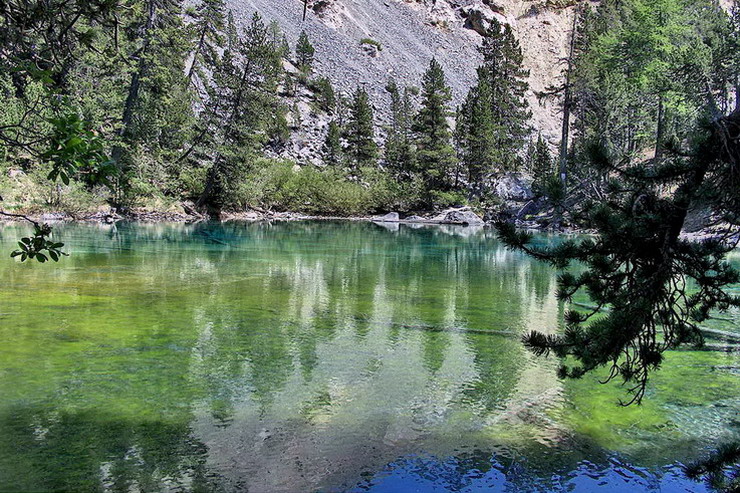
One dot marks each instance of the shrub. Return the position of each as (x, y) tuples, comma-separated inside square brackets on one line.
[(279, 185), (443, 200), (370, 41)]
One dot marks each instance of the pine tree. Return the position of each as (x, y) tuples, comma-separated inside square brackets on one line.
[(542, 168), (160, 19), (639, 266), (325, 95), (157, 110), (279, 40), (209, 27), (232, 34), (399, 147), (360, 131), (502, 67), (332, 148), (305, 52), (249, 111), (435, 156), (476, 135)]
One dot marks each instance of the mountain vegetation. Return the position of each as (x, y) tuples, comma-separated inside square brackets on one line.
[(157, 103)]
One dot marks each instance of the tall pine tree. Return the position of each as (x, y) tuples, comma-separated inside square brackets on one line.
[(435, 155), (492, 123), (209, 26), (248, 108), (304, 52), (542, 168), (360, 131), (399, 147), (475, 134), (332, 147)]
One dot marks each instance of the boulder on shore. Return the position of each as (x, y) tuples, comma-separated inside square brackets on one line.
[(415, 219), (463, 215), (391, 217)]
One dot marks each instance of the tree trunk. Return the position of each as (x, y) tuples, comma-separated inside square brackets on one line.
[(133, 91), (567, 103), (205, 197), (198, 49), (565, 130)]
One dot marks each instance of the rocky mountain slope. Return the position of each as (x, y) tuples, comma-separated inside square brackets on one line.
[(409, 33)]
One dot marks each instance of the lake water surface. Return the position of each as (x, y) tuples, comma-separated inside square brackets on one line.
[(320, 356)]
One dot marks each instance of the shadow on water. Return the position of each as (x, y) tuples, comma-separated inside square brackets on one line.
[(318, 356)]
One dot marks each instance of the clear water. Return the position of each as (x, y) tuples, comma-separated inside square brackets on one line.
[(311, 356)]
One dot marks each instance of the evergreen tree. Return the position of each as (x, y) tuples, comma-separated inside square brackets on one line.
[(304, 51), (325, 95), (360, 131), (209, 27), (542, 167), (332, 148), (279, 40), (502, 68), (650, 99), (435, 154), (639, 266), (249, 111), (232, 34), (476, 135), (157, 115), (399, 147)]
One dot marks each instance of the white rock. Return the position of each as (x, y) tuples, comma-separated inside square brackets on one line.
[(391, 217)]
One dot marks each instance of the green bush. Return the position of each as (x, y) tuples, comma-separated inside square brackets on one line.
[(280, 185), (325, 96), (443, 200), (370, 41), (34, 193)]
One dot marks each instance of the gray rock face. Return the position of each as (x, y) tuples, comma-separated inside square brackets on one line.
[(411, 32), (478, 18), (458, 216), (513, 186), (403, 29)]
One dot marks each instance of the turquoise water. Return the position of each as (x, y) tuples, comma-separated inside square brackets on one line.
[(320, 356)]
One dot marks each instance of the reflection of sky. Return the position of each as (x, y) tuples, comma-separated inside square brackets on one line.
[(432, 475), (303, 356)]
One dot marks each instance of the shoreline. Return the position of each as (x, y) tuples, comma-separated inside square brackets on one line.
[(254, 216)]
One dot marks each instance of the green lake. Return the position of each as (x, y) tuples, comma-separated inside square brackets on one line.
[(321, 356)]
